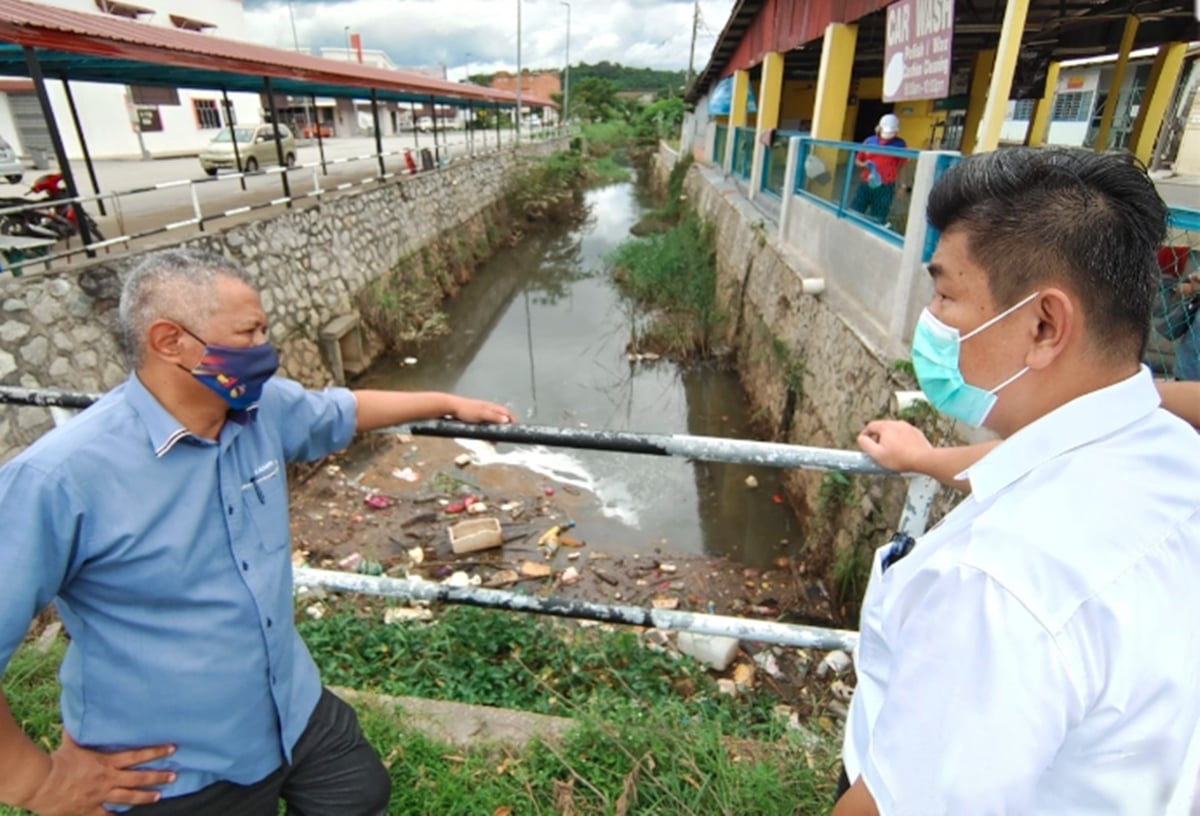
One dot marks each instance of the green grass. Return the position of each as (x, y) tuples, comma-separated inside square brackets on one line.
[(673, 275), (652, 735)]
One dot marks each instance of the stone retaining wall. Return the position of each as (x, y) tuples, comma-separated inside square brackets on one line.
[(809, 375), (58, 329)]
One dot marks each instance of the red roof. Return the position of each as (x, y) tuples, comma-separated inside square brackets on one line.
[(114, 38)]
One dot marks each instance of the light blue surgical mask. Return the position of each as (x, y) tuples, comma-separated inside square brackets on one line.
[(935, 351)]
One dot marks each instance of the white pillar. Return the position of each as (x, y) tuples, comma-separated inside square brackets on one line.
[(916, 231)]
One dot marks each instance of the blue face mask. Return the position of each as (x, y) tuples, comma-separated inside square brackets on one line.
[(935, 349), (237, 374)]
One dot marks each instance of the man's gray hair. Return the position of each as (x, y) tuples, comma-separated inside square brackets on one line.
[(174, 284)]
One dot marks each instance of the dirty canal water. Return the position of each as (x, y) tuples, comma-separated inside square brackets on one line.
[(542, 329)]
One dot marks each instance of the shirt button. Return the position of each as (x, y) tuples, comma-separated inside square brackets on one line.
[(245, 567), (268, 623), (230, 509)]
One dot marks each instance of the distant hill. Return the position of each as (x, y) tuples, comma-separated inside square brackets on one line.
[(623, 77), (631, 79)]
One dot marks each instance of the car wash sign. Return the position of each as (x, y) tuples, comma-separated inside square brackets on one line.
[(917, 54)]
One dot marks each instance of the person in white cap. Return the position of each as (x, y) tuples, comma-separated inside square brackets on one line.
[(879, 171)]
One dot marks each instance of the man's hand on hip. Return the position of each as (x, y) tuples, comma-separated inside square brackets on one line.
[(81, 781)]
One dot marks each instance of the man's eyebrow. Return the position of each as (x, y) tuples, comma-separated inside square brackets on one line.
[(935, 270)]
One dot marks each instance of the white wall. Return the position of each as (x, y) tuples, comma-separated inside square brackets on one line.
[(1070, 134), (106, 112), (8, 127)]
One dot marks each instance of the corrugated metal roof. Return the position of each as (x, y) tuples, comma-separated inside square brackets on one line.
[(105, 48)]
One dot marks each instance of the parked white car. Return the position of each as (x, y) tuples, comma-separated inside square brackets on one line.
[(11, 167), (255, 147)]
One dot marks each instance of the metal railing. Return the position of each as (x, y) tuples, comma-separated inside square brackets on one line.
[(826, 174), (774, 165), (18, 260), (1174, 347), (917, 505), (720, 136), (743, 152)]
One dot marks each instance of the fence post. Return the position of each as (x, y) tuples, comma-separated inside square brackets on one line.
[(916, 233), (756, 164), (788, 193)]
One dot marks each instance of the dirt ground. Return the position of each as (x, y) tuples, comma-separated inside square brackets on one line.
[(386, 506)]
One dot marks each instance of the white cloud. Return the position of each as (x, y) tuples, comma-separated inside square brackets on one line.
[(637, 33)]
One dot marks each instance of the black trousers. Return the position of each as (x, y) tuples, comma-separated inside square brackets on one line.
[(843, 785), (334, 772)]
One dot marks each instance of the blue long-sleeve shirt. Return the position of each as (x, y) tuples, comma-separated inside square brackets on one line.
[(168, 558)]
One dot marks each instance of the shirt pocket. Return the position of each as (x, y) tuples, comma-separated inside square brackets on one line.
[(265, 496)]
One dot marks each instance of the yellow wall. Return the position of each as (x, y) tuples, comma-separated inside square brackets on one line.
[(916, 118), (798, 100), (916, 122)]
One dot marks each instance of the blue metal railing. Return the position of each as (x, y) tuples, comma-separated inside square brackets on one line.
[(774, 166), (719, 139), (1174, 346), (881, 210), (743, 152)]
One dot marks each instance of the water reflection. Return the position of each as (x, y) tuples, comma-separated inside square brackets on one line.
[(542, 329)]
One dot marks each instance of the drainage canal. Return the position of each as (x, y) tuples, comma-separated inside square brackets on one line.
[(542, 329)]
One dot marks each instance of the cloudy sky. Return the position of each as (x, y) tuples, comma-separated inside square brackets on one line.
[(483, 33)]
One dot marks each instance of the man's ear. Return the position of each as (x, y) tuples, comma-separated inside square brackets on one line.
[(168, 342), (1057, 321)]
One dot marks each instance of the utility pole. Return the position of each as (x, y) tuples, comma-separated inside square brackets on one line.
[(519, 76), (308, 114), (567, 73), (692, 55)]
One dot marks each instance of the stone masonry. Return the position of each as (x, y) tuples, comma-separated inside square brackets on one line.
[(810, 377), (58, 329)]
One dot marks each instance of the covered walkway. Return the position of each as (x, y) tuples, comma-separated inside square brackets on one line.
[(43, 42)]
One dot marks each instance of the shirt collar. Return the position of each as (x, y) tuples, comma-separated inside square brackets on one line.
[(164, 429), (1083, 420)]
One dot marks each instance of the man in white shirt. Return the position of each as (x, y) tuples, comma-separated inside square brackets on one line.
[(1037, 652)]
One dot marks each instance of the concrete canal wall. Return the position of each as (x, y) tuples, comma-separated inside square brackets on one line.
[(814, 364), (59, 328)]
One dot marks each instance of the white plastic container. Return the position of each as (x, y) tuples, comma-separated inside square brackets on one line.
[(474, 535)]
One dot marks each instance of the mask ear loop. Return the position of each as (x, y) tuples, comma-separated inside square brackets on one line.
[(997, 318), (1009, 381)]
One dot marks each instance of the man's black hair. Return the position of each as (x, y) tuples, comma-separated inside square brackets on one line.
[(1093, 222)]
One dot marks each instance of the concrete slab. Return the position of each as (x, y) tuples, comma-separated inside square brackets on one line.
[(464, 725)]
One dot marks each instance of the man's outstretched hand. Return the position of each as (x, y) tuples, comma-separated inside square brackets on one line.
[(473, 410)]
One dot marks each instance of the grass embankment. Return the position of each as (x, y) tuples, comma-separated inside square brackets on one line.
[(670, 274), (653, 736)]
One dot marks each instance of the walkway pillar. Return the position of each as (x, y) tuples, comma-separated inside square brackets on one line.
[(833, 93), (1164, 76), (770, 95), (981, 75), (34, 66), (996, 106), (737, 113), (1115, 83), (1039, 123)]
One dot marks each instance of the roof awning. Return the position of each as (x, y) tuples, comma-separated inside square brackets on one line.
[(103, 48)]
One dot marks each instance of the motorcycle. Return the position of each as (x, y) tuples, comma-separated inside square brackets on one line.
[(53, 188)]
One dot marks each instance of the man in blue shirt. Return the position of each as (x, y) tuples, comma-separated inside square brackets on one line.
[(157, 521)]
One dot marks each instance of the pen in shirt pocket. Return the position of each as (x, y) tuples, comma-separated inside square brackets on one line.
[(258, 491)]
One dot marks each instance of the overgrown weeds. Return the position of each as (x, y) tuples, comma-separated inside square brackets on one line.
[(673, 276), (549, 189), (402, 307)]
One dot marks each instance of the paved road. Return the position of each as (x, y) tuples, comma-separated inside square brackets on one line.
[(147, 210)]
